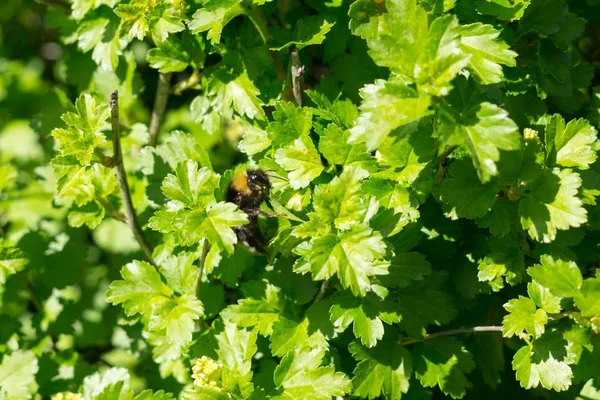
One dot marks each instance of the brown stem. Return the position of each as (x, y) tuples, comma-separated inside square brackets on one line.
[(257, 19), (114, 213), (32, 296), (205, 249), (108, 162), (160, 104), (444, 163), (297, 70), (452, 332), (131, 217), (322, 291), (184, 85), (56, 3)]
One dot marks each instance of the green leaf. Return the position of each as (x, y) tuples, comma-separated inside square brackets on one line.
[(562, 278), (260, 312), (464, 191), (178, 146), (17, 375), (341, 201), (174, 320), (443, 362), (254, 140), (149, 395), (289, 335), (588, 299), (365, 315), (203, 392), (441, 59), (74, 182), (141, 16), (386, 105), (12, 261), (437, 6), (570, 145), (191, 186), (213, 16), (551, 204), (302, 160), (405, 268), (236, 349), (227, 89), (140, 286), (299, 375), (289, 123), (180, 272), (523, 315), (571, 27), (353, 256), (83, 135), (424, 303), (168, 57), (334, 146), (589, 391), (545, 362), (543, 16), (402, 31), (100, 34), (500, 217), (382, 370), (505, 261), (542, 298), (308, 31), (81, 7), (487, 51), (217, 223), (484, 130), (90, 214), (109, 384), (509, 10)]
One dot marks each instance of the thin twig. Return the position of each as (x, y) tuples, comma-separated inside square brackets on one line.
[(193, 80), (114, 213), (205, 249), (32, 296), (56, 3), (131, 217), (444, 163), (257, 19), (160, 104), (452, 332), (108, 162), (297, 70), (322, 290)]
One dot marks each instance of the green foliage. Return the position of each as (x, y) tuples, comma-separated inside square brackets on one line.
[(432, 224)]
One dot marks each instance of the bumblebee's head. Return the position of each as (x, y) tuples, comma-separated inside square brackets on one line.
[(258, 181)]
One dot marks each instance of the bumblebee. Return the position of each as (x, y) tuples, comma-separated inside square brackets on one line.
[(248, 190)]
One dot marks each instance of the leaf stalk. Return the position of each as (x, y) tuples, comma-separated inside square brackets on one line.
[(256, 17), (130, 215), (160, 104), (452, 332), (57, 4)]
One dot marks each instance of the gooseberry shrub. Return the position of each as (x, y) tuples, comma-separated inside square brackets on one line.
[(433, 224)]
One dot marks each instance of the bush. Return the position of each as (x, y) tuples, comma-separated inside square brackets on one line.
[(431, 228)]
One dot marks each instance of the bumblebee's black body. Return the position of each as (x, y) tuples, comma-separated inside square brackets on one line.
[(248, 190)]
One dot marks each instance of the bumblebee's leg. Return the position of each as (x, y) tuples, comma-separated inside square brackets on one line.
[(251, 237)]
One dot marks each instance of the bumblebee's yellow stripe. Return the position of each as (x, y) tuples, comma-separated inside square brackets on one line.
[(240, 183)]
